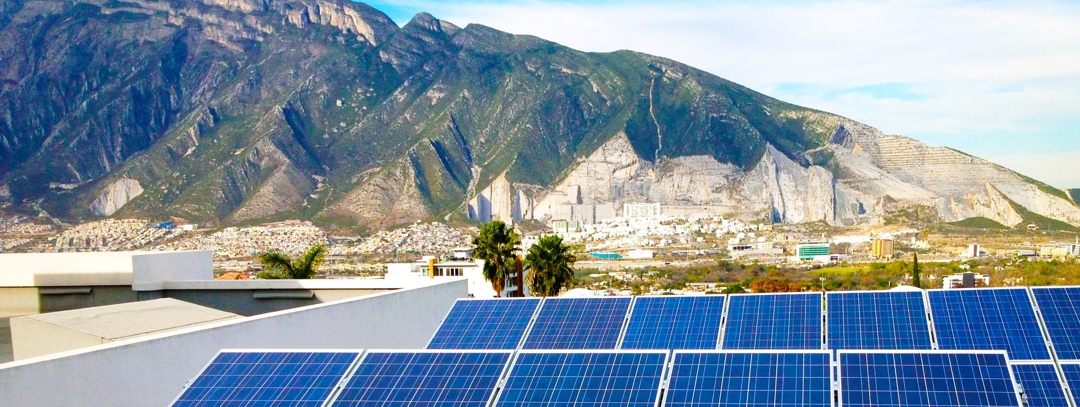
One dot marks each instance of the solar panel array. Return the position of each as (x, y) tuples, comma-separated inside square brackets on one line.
[(578, 323), (485, 324), (772, 356), (1040, 385), (411, 378), (877, 320), (989, 319), (268, 379), (929, 379), (1060, 309), (774, 321), (674, 323), (593, 379), (750, 378)]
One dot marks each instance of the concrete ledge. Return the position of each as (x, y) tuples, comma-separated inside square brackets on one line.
[(320, 284)]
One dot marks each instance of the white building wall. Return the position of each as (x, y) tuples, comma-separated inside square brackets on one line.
[(151, 371), (105, 268)]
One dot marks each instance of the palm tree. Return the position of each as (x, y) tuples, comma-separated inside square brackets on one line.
[(550, 266), (281, 266), (497, 246)]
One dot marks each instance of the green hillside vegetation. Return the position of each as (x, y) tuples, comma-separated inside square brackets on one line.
[(1075, 194), (980, 223)]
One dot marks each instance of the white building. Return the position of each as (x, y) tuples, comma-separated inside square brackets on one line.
[(974, 250), (639, 254), (641, 210), (460, 265), (957, 280)]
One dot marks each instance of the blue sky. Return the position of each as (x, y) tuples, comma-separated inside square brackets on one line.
[(1000, 80)]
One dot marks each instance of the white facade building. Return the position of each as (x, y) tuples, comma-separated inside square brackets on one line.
[(641, 210)]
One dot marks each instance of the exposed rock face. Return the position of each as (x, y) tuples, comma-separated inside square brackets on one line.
[(116, 195), (389, 198)]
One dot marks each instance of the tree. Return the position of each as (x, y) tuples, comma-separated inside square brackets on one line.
[(915, 272), (281, 266), (497, 246), (550, 266)]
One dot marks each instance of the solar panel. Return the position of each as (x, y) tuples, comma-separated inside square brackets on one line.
[(750, 378), (674, 323), (1060, 309), (1040, 385), (773, 321), (584, 379), (988, 319), (424, 378), (877, 320), (578, 323), (1071, 371), (485, 324), (928, 378), (268, 378)]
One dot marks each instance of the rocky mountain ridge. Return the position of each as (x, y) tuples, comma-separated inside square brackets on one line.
[(238, 111)]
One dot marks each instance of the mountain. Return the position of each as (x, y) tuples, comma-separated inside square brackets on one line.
[(236, 111)]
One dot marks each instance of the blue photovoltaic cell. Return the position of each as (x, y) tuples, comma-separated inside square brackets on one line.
[(1040, 385), (674, 323), (925, 379), (988, 319), (1060, 308), (877, 320), (404, 379), (773, 321), (750, 379), (485, 324), (578, 323), (268, 379), (1072, 378), (601, 379)]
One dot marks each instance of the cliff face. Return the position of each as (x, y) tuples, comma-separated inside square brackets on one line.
[(230, 111)]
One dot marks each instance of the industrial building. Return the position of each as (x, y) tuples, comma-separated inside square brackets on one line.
[(807, 251)]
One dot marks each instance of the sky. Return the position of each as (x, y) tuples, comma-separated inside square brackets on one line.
[(999, 80)]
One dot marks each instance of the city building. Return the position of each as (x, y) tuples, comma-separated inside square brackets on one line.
[(973, 251), (883, 248), (639, 254), (641, 210), (965, 280), (807, 251), (460, 264)]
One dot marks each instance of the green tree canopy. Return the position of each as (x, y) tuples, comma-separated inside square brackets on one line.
[(280, 266), (497, 246), (550, 266)]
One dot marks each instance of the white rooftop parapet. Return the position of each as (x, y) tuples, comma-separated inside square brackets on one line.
[(151, 270), (103, 268)]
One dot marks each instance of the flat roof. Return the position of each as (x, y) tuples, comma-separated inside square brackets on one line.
[(120, 321)]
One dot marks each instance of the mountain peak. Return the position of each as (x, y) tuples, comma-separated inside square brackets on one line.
[(431, 23)]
